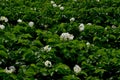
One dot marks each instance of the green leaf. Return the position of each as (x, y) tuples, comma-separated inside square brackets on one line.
[(61, 68), (30, 72), (37, 43), (3, 54), (100, 71), (71, 77)]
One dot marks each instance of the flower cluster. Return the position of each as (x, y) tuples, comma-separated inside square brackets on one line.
[(113, 26), (31, 24), (77, 68), (52, 2), (3, 18), (61, 8), (47, 48), (19, 20), (88, 44), (2, 26), (66, 36), (55, 5), (48, 63), (81, 27), (11, 69), (72, 19)]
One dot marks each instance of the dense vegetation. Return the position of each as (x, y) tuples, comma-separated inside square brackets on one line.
[(59, 40)]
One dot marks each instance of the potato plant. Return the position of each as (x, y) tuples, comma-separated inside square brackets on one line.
[(59, 40)]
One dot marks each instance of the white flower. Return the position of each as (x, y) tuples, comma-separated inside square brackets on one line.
[(48, 63), (61, 8), (98, 0), (47, 48), (113, 26), (106, 13), (66, 36), (106, 28), (81, 27), (76, 68), (52, 2), (71, 37), (31, 24), (88, 44), (72, 19), (89, 23), (59, 5), (3, 18), (19, 20), (45, 26), (54, 5), (2, 26), (6, 19), (11, 69), (8, 71)]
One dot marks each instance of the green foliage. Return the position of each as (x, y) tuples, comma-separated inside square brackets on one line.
[(38, 53), (70, 77)]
